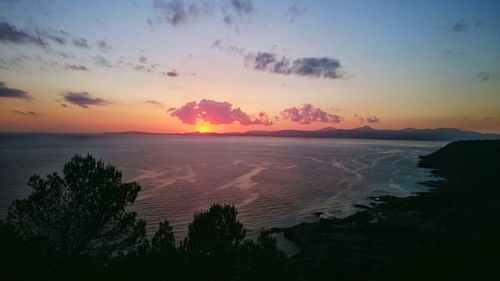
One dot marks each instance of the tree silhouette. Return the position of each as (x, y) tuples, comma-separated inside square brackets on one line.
[(213, 243), (81, 214)]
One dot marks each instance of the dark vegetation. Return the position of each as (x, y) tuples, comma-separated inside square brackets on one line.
[(77, 227), (449, 233)]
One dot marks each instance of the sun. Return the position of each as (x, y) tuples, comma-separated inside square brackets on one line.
[(204, 127)]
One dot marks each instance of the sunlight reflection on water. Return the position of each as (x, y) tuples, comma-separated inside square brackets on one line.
[(274, 182)]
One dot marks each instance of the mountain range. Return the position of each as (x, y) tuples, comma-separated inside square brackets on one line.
[(366, 132)]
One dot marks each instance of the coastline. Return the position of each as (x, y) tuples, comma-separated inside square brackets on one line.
[(408, 237)]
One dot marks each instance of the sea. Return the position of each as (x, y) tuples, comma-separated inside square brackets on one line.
[(272, 181)]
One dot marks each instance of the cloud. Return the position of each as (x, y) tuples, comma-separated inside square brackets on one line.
[(102, 61), (6, 92), (484, 76), (242, 7), (75, 67), (173, 73), (81, 43), (176, 13), (360, 118), (103, 46), (153, 102), (59, 36), (215, 112), (10, 34), (322, 67), (460, 26), (143, 59), (25, 113), (307, 113), (83, 99), (295, 12), (372, 119)]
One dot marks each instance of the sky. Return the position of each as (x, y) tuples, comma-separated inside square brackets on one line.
[(174, 66)]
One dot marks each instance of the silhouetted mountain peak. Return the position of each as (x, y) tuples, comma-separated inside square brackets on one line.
[(327, 129), (365, 128)]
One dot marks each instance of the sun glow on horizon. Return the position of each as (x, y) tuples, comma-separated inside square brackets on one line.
[(204, 127)]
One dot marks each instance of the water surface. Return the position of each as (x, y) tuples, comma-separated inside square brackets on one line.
[(274, 182)]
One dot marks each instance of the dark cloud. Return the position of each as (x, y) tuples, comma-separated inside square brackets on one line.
[(484, 76), (143, 59), (323, 67), (215, 112), (175, 12), (60, 36), (75, 67), (307, 113), (102, 61), (172, 73), (6, 92), (372, 119), (295, 12), (10, 34), (460, 26), (84, 99), (360, 118), (452, 52), (235, 50), (81, 43), (153, 102), (242, 7), (25, 113), (103, 46), (64, 105), (488, 118)]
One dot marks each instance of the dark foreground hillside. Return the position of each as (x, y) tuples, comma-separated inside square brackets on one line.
[(450, 233)]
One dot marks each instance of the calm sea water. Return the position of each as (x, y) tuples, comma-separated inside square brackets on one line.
[(274, 182)]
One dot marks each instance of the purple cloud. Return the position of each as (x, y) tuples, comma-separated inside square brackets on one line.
[(10, 34), (307, 113), (372, 119), (322, 67), (6, 92), (83, 99), (75, 67), (215, 112)]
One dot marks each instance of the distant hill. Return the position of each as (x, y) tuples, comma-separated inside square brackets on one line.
[(366, 132)]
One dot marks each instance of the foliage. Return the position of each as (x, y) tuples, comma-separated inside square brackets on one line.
[(76, 226), (79, 214)]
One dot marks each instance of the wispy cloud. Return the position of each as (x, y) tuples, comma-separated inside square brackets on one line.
[(84, 99), (103, 46), (215, 112), (176, 12), (6, 92), (25, 113), (13, 35), (153, 102), (75, 67), (372, 119), (484, 76), (102, 61), (307, 113), (81, 43), (296, 11), (321, 67)]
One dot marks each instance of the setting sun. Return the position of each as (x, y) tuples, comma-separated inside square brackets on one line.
[(204, 127)]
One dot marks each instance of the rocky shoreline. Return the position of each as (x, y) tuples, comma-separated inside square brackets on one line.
[(449, 232)]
